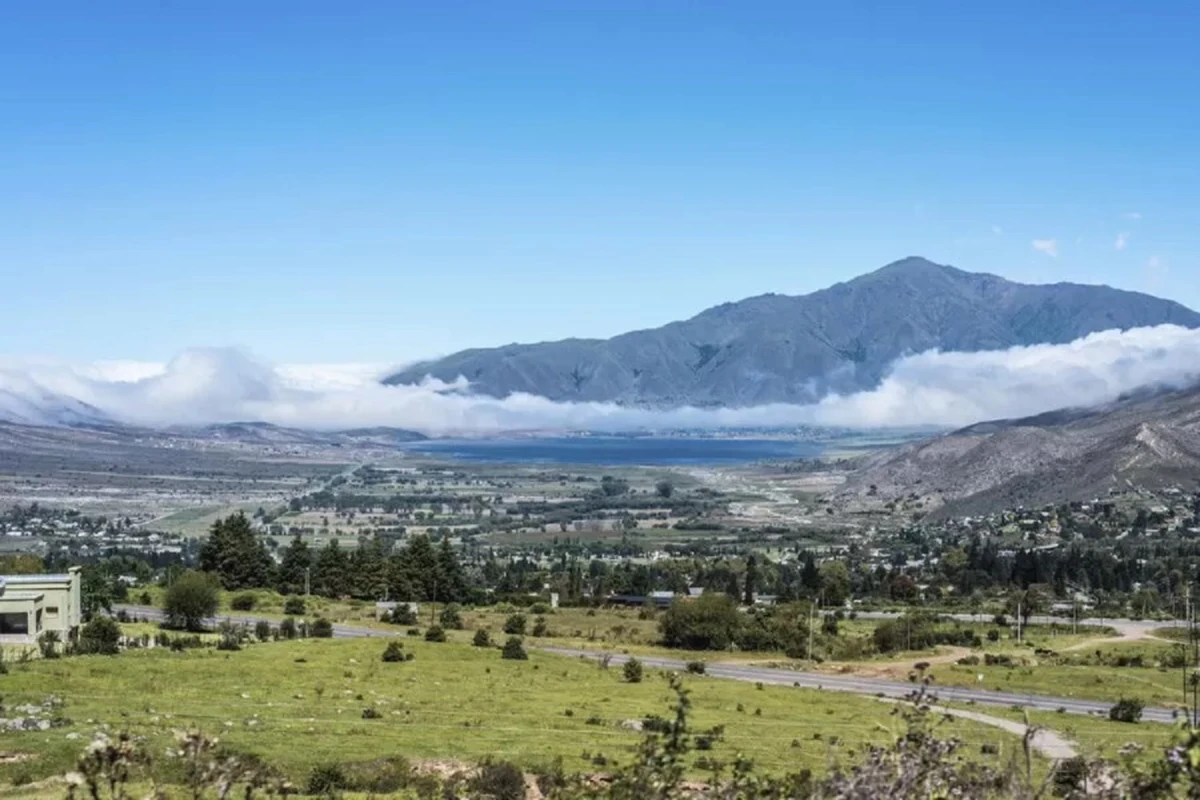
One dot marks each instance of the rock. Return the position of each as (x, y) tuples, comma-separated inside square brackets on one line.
[(631, 724)]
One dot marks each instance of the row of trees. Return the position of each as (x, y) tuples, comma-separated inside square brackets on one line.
[(374, 570)]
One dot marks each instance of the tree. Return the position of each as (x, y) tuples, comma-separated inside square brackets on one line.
[(297, 560), (633, 671), (101, 636), (515, 625), (452, 583), (451, 617), (482, 638), (664, 489), (235, 555), (1127, 709), (95, 591), (321, 629), (710, 622), (331, 571), (393, 653), (835, 582), (190, 600), (751, 586)]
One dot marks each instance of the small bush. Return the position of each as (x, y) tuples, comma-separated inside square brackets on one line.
[(371, 713), (1127, 709), (632, 671), (539, 627), (145, 599), (539, 609), (515, 625), (514, 649), (993, 635), (393, 653), (403, 615), (294, 607), (327, 779), (246, 601), (321, 629), (451, 618), (499, 780), (262, 630), (697, 667), (287, 628), (482, 638), (435, 634), (100, 637)]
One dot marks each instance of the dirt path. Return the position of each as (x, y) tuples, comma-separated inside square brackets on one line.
[(893, 669), (1052, 745)]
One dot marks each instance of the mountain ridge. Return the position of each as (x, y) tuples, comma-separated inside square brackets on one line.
[(773, 348)]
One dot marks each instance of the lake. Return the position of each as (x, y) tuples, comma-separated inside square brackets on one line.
[(618, 450)]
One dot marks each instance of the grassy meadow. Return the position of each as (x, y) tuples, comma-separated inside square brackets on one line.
[(299, 703)]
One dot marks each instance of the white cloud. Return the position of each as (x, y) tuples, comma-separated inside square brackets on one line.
[(1122, 240), (1047, 246), (931, 388), (1132, 215)]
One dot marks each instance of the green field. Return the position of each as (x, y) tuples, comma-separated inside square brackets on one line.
[(295, 703)]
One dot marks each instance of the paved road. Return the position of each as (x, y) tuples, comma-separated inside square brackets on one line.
[(877, 687)]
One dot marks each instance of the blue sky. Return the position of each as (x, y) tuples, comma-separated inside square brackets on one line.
[(380, 182)]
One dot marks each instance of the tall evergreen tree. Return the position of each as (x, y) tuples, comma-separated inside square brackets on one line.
[(331, 573), (452, 581), (296, 559), (235, 555)]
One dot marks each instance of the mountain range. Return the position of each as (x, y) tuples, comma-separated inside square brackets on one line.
[(784, 349), (1149, 440)]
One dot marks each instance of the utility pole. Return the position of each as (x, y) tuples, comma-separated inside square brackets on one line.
[(1018, 621), (307, 581)]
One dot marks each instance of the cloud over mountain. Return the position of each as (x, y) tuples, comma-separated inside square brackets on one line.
[(204, 386)]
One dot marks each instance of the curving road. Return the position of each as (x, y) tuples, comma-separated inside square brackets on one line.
[(876, 687)]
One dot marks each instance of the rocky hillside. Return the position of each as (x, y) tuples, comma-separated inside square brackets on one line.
[(1150, 440), (776, 348)]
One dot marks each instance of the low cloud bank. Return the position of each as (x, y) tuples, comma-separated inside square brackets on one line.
[(928, 389)]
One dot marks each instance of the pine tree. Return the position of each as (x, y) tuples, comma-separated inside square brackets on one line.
[(296, 559), (452, 582), (235, 555), (331, 574)]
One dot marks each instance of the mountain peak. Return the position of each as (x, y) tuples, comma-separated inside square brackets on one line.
[(785, 349)]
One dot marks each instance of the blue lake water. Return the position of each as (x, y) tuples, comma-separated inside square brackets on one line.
[(615, 450)]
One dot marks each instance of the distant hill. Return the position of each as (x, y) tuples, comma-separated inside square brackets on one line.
[(1150, 440), (777, 348)]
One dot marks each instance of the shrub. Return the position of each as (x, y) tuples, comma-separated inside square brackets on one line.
[(632, 671), (482, 638), (539, 627), (99, 637), (697, 667), (435, 634), (515, 625), (1127, 709), (294, 607), (262, 630), (499, 780), (403, 615), (514, 649), (539, 609), (710, 622), (451, 617), (48, 643), (371, 713), (190, 600), (326, 780), (287, 628), (145, 599), (393, 653), (993, 635), (246, 601), (321, 629)]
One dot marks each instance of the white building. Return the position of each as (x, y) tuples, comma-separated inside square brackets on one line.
[(30, 605)]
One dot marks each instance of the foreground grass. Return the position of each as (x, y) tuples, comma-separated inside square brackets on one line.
[(297, 703)]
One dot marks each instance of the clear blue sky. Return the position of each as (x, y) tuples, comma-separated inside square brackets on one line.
[(358, 181)]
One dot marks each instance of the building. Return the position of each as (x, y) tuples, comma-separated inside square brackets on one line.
[(30, 605)]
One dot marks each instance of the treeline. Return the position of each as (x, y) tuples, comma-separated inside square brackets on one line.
[(418, 571)]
